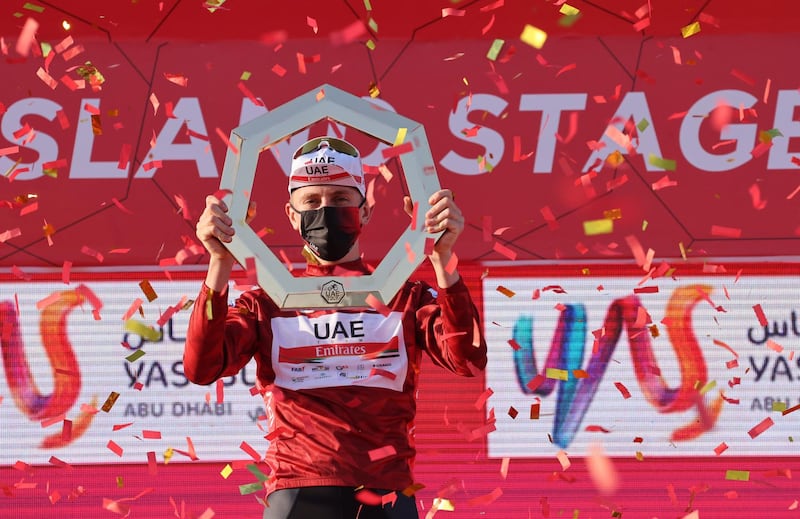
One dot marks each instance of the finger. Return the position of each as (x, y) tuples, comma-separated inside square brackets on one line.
[(439, 195), (446, 220), (442, 209), (222, 229), (211, 200), (216, 211), (214, 228), (434, 218)]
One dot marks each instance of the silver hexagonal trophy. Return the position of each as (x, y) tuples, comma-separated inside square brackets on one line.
[(238, 175)]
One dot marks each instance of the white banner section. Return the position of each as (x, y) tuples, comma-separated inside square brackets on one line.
[(688, 366), (59, 359)]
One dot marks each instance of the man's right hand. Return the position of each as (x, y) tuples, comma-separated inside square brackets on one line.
[(214, 227)]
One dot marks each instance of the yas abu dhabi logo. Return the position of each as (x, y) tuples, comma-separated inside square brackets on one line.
[(577, 387), (53, 407)]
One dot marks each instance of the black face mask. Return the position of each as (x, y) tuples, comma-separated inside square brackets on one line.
[(330, 232)]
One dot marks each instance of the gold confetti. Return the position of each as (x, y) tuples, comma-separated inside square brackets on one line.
[(615, 159), (400, 137), (495, 48), (557, 374), (595, 227), (109, 403), (139, 328), (568, 10), (440, 503), (690, 30), (662, 163), (737, 475), (136, 355), (374, 91), (506, 292), (708, 387), (533, 36)]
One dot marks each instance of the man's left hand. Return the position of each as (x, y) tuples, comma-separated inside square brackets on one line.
[(443, 215)]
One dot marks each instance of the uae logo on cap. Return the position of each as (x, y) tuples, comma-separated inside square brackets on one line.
[(332, 292)]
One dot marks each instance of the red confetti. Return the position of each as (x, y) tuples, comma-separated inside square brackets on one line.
[(755, 196), (113, 447), (452, 263), (27, 37), (66, 431), (547, 214), (124, 156), (623, 390), (59, 463), (227, 141), (394, 151), (536, 381), (762, 319), (790, 410), (743, 77), (278, 70), (505, 251), (220, 391), (220, 194), (246, 91), (51, 421), (481, 401), (178, 79), (250, 451), (414, 212), (349, 34), (65, 270), (765, 424), (378, 305), (152, 468), (382, 452)]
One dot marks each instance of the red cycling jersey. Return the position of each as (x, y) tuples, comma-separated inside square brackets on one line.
[(339, 385)]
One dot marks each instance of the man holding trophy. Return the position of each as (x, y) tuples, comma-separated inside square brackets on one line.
[(339, 384)]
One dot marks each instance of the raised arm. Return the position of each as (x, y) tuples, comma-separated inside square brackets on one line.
[(219, 340), (442, 215), (213, 228)]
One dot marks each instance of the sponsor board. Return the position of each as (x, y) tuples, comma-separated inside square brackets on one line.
[(686, 366), (63, 356)]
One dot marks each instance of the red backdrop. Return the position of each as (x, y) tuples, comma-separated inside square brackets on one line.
[(101, 208)]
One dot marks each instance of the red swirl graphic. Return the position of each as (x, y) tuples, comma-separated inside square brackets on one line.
[(64, 365)]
